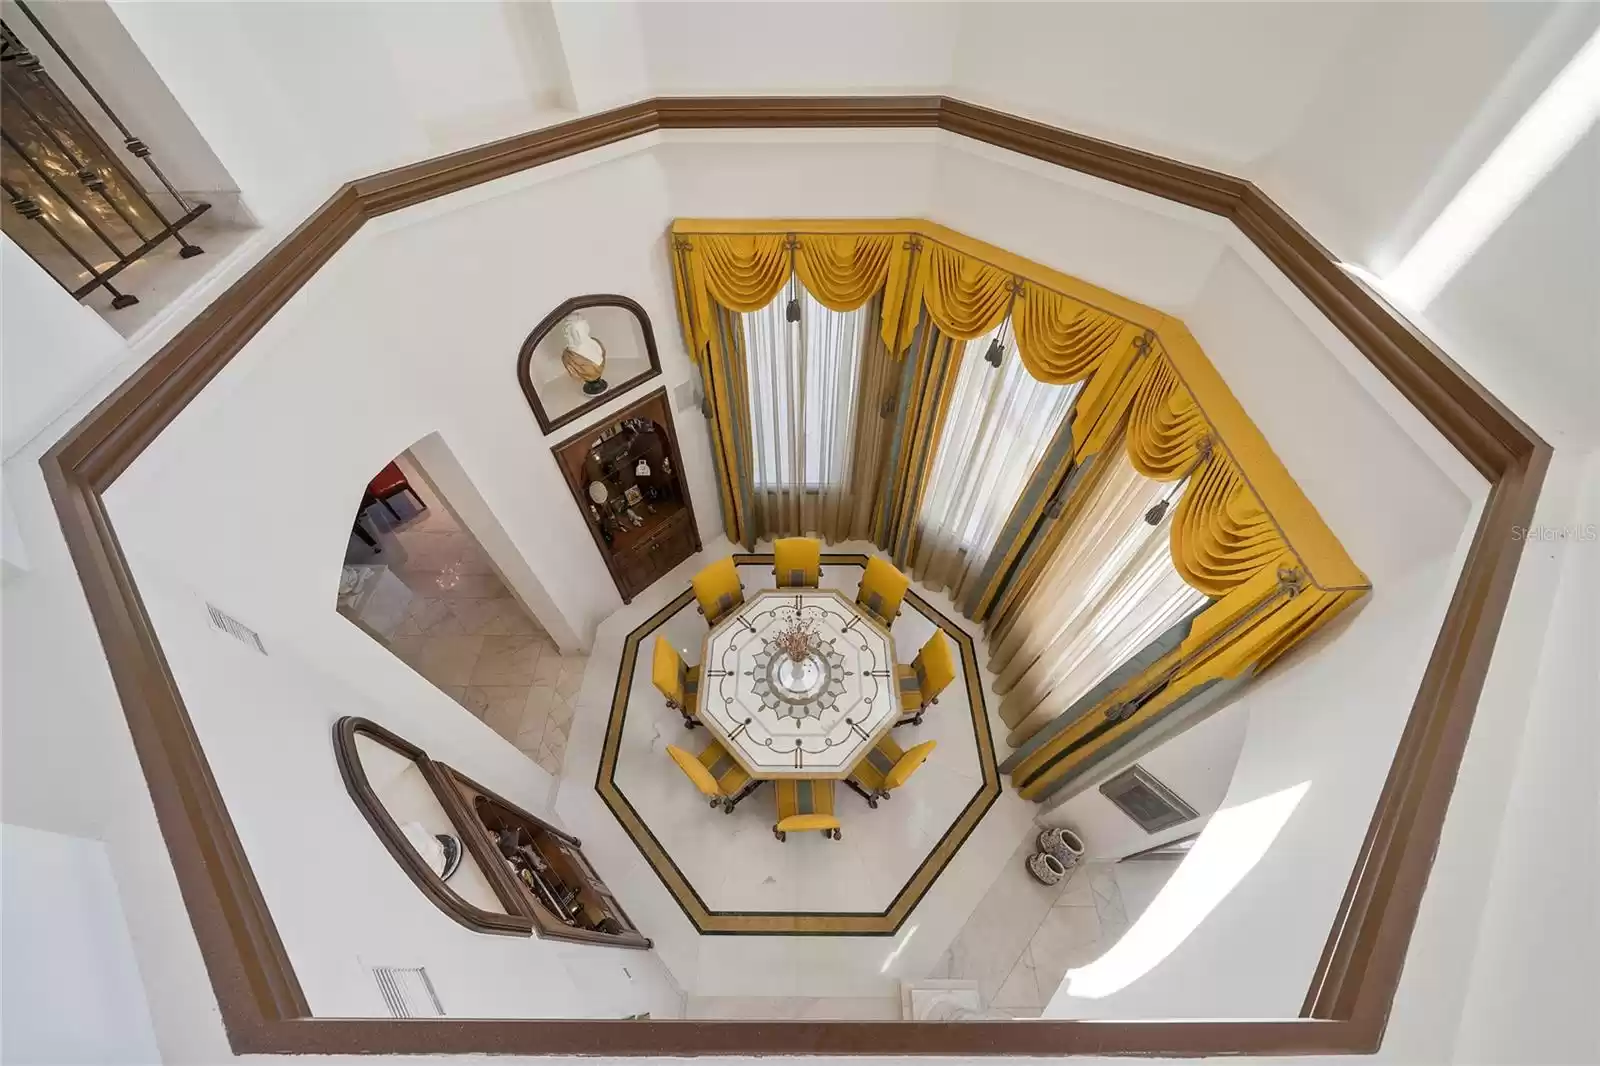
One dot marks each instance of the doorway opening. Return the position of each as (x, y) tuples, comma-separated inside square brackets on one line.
[(418, 581)]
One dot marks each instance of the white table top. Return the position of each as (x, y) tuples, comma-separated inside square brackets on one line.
[(816, 719)]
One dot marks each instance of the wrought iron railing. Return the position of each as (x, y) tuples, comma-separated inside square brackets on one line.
[(69, 201)]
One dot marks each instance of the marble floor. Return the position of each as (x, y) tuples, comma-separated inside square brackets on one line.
[(1024, 936), (733, 861), (767, 975), (467, 634)]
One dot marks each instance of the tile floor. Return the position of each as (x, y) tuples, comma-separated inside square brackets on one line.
[(745, 975), (1023, 937), (468, 635)]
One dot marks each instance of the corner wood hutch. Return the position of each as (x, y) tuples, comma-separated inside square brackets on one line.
[(626, 477), (541, 882)]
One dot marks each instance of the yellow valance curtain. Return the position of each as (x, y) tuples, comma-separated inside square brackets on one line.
[(965, 296), (1061, 340), (1242, 533), (744, 271), (843, 271)]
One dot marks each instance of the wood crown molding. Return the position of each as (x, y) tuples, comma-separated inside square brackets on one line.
[(262, 1005)]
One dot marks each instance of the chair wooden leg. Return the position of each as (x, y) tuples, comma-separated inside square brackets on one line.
[(872, 801), (738, 797)]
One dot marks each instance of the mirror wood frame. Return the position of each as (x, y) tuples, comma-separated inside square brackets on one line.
[(530, 388)]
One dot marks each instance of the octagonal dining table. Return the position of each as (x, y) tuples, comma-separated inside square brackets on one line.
[(815, 717)]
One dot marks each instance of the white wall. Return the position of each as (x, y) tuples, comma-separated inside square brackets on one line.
[(237, 69), (484, 275), (45, 363), (516, 76), (794, 47), (69, 984), (799, 173), (603, 48), (1216, 84), (1528, 998), (1197, 764), (338, 899), (1523, 311), (1136, 245), (1424, 93), (295, 97), (60, 721)]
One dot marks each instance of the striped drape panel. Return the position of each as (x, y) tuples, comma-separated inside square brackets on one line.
[(929, 383), (999, 424), (806, 415), (1105, 595)]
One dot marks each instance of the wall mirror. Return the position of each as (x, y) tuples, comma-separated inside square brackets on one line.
[(587, 351)]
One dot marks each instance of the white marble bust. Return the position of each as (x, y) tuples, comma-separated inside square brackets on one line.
[(579, 341), (583, 355)]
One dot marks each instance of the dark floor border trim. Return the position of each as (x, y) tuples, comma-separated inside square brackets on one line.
[(796, 923), (260, 1000)]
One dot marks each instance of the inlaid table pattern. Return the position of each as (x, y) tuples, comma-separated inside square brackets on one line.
[(815, 717)]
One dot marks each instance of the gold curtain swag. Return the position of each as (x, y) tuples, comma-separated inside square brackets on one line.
[(1276, 572), (1243, 532)]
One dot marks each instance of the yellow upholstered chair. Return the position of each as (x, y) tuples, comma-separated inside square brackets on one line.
[(928, 675), (805, 806), (797, 562), (716, 774), (678, 681), (882, 589), (885, 768), (718, 590)]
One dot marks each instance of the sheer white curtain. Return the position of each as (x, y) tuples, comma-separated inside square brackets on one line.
[(999, 425), (803, 380), (1109, 590)]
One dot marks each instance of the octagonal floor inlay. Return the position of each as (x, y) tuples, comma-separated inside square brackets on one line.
[(727, 871)]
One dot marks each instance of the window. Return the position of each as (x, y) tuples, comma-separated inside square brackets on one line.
[(1107, 594), (802, 378), (1000, 423)]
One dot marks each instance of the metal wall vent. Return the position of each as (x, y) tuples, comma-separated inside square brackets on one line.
[(1147, 801), (408, 992), (223, 622)]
